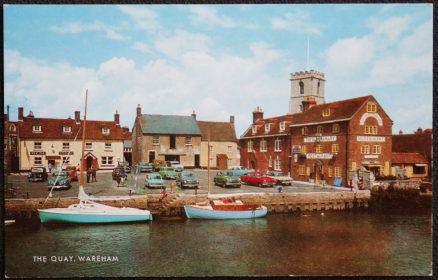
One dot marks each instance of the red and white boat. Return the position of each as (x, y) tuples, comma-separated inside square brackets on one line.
[(225, 208)]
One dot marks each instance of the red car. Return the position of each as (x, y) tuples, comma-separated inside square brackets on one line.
[(257, 179), (72, 173)]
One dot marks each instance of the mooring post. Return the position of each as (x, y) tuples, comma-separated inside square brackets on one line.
[(27, 195)]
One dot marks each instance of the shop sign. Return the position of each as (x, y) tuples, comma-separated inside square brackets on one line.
[(331, 138), (296, 149), (371, 156), (37, 153), (319, 156), (65, 153), (362, 138)]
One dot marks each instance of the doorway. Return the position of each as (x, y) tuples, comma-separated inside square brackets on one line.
[(197, 161), (151, 156), (89, 163), (172, 142), (318, 171)]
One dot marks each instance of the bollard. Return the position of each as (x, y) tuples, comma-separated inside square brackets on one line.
[(27, 195), (130, 191), (196, 191)]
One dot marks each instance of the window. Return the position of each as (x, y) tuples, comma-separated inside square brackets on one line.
[(263, 146), (36, 128), (277, 164), (267, 127), (301, 87), (37, 146), (88, 146), (66, 146), (330, 171), (250, 146), (270, 162), (38, 161), (254, 129), (107, 146), (319, 129), (302, 170), (370, 129), (155, 140), (105, 130), (318, 148), (66, 129), (211, 148), (308, 171), (304, 149), (304, 131), (282, 126), (230, 149), (12, 128), (317, 89), (326, 112), (371, 107), (229, 161), (338, 172), (107, 160), (335, 128), (65, 160), (335, 148), (377, 149), (277, 145), (365, 149), (188, 141)]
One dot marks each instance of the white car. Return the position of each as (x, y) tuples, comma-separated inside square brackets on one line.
[(280, 178)]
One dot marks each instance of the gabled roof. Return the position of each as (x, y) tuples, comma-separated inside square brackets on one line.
[(53, 129), (169, 124), (339, 110), (274, 126), (408, 158), (219, 131)]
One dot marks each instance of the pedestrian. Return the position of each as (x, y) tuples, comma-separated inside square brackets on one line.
[(49, 167), (88, 175), (122, 176), (93, 175), (279, 187), (172, 186)]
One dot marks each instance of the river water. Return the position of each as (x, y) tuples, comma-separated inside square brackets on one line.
[(336, 243)]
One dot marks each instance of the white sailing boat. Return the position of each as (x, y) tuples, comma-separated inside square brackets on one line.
[(89, 211)]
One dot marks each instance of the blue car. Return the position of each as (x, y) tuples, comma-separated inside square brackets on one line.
[(153, 181)]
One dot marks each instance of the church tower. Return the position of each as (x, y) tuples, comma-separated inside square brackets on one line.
[(306, 85)]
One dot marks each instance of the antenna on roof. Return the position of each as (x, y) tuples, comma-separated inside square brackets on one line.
[(308, 51)]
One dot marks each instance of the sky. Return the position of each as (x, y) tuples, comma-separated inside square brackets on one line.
[(216, 60)]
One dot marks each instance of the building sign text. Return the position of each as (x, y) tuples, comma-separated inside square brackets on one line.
[(362, 138), (319, 156)]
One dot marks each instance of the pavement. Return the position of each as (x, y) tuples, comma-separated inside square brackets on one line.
[(106, 186)]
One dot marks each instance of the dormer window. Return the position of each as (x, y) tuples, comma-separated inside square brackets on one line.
[(282, 126), (254, 129), (36, 128), (105, 130), (267, 127), (371, 107), (326, 112), (66, 129)]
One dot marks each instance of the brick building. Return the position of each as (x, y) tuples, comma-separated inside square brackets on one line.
[(331, 139), (265, 145)]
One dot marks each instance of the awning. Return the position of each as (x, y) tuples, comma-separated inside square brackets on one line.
[(420, 164), (53, 157)]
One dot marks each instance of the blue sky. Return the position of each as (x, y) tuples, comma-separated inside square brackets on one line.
[(218, 60)]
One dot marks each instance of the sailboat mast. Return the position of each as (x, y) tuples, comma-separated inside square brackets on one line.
[(208, 162), (81, 176)]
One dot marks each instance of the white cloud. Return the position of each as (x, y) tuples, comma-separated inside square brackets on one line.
[(143, 17), (263, 52), (298, 22), (208, 16), (391, 28), (77, 27), (141, 47), (182, 42)]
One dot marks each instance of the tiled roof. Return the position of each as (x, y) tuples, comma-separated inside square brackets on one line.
[(274, 126), (408, 158), (343, 109), (169, 124), (219, 131), (414, 143), (53, 129)]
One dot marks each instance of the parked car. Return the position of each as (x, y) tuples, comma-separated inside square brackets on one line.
[(37, 174), (59, 180), (153, 180), (257, 179), (187, 179), (176, 165), (239, 170), (280, 178), (168, 173), (72, 173), (158, 164), (227, 178), (144, 167)]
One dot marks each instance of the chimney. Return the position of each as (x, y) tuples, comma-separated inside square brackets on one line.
[(194, 114), (138, 110), (257, 114), (419, 131), (125, 129), (117, 118), (232, 119), (20, 113), (308, 103), (77, 116), (400, 132), (30, 115)]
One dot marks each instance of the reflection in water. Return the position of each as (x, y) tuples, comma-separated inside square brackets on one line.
[(338, 243)]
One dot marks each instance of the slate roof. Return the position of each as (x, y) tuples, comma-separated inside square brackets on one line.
[(53, 129), (274, 126), (127, 143), (408, 158), (219, 131), (169, 124)]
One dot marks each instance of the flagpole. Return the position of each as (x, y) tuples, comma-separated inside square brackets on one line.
[(208, 163), (81, 177)]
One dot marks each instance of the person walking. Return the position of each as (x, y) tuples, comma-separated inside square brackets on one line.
[(279, 187)]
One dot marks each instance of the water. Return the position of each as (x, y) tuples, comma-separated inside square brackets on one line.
[(338, 243)]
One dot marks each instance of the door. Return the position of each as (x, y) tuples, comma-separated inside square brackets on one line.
[(89, 163), (151, 156), (197, 161)]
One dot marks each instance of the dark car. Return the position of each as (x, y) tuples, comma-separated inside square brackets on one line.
[(37, 174), (118, 173), (187, 179), (227, 178)]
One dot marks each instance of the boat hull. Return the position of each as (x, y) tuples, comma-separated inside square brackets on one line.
[(193, 212), (57, 215)]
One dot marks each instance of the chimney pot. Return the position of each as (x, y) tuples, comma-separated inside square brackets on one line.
[(77, 116), (117, 117), (232, 119), (138, 110), (20, 113), (194, 114)]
